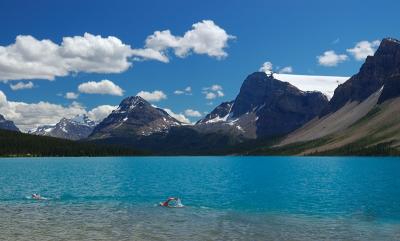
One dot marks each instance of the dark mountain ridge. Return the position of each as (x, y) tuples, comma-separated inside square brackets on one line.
[(135, 117), (267, 107), (76, 128), (7, 124), (376, 72), (364, 112)]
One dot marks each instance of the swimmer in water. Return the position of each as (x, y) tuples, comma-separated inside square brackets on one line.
[(177, 201), (36, 196)]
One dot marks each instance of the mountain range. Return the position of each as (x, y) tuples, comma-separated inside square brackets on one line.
[(268, 116), (75, 128)]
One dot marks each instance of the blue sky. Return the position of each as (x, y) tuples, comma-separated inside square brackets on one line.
[(286, 33)]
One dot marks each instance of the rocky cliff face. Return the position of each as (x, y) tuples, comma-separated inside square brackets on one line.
[(267, 107), (7, 124), (373, 74), (76, 128), (391, 89), (134, 117), (364, 111)]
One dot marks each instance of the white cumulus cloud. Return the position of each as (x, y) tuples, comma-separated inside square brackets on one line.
[(192, 113), (210, 95), (105, 87), (31, 58), (31, 115), (205, 38), (364, 49), (180, 117), (149, 54), (179, 92), (100, 112), (286, 70), (155, 96), (71, 96), (215, 87), (213, 92), (330, 58), (22, 85), (186, 91), (266, 67)]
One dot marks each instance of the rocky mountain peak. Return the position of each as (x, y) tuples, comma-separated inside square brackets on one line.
[(132, 102), (389, 42), (7, 124), (135, 117), (373, 74), (260, 90), (81, 119), (264, 107), (220, 112)]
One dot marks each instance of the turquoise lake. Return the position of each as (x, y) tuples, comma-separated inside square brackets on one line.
[(225, 198)]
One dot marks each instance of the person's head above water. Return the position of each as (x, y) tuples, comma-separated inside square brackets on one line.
[(176, 200)]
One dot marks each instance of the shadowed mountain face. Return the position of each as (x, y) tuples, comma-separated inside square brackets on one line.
[(279, 106), (267, 107), (364, 111), (218, 113), (7, 125), (134, 117), (76, 128), (373, 74)]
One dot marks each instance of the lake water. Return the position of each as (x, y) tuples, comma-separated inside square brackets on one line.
[(225, 198)]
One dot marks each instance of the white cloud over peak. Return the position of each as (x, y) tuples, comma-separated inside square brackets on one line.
[(155, 96), (100, 112), (3, 99), (105, 87), (364, 49), (266, 67), (192, 113), (71, 96), (31, 115), (205, 37), (22, 86), (180, 117), (331, 59)]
